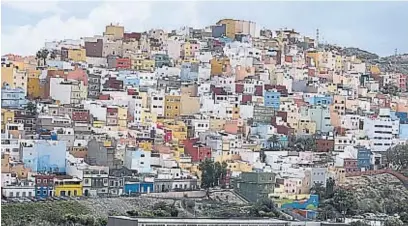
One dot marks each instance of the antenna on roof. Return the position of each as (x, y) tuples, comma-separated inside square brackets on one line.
[(317, 38)]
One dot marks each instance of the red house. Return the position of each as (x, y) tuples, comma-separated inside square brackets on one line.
[(80, 115), (123, 63), (196, 150), (168, 135)]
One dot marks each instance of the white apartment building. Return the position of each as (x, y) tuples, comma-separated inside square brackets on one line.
[(200, 126), (148, 78), (381, 130), (136, 108), (157, 104), (350, 122), (67, 92)]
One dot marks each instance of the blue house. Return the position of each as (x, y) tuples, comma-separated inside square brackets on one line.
[(13, 97), (129, 78), (364, 158), (319, 100), (45, 156), (189, 71), (403, 116), (403, 131), (138, 187), (272, 99)]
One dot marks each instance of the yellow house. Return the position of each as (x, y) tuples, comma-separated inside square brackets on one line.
[(136, 60), (331, 88), (115, 30), (145, 97), (230, 27), (306, 126), (178, 128), (7, 116), (20, 65), (190, 60), (122, 117), (217, 124), (34, 89), (339, 63), (7, 75), (315, 56), (68, 187), (218, 65), (98, 124), (172, 106), (148, 65), (146, 146), (374, 69), (187, 49), (147, 116), (77, 55), (239, 166)]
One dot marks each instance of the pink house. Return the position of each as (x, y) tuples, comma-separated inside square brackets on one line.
[(243, 72), (79, 75), (231, 126)]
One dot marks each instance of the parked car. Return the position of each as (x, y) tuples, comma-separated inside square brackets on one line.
[(382, 215), (369, 215)]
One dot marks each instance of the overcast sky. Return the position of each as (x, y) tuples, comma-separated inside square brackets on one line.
[(379, 27)]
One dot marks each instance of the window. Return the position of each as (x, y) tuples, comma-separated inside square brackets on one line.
[(17, 194), (44, 192)]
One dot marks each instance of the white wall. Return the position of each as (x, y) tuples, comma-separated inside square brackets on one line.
[(60, 92)]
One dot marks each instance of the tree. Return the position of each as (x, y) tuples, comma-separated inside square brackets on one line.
[(53, 54), (392, 221), (319, 190), (344, 201), (31, 108), (212, 173), (262, 156), (208, 173), (42, 55), (264, 208), (305, 144), (390, 89), (330, 184), (397, 156), (274, 140)]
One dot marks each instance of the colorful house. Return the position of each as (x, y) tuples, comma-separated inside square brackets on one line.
[(138, 187), (68, 187)]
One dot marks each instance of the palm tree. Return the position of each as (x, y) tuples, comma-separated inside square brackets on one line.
[(53, 54), (274, 139), (305, 144), (38, 56), (43, 55)]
